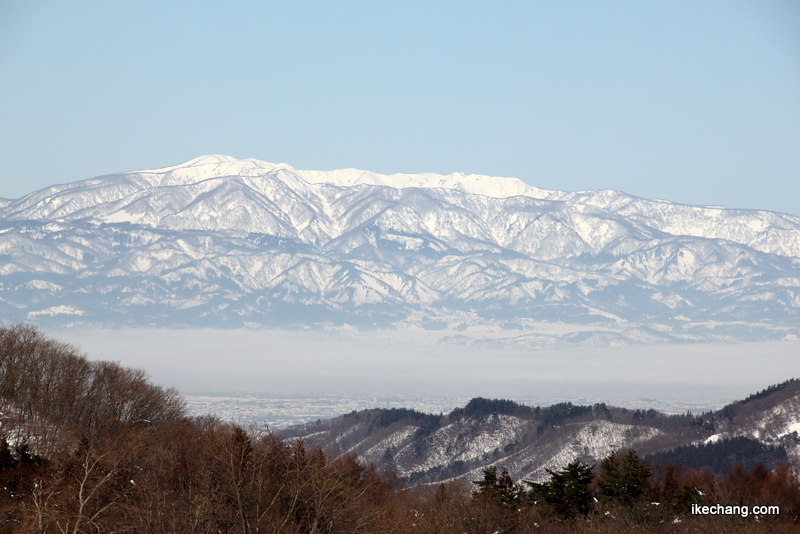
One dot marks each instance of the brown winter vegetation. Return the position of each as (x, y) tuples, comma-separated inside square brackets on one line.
[(92, 447)]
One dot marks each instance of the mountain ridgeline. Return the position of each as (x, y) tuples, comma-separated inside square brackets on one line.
[(531, 441), (224, 242)]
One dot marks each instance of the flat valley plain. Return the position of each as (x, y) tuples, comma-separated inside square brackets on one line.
[(282, 377)]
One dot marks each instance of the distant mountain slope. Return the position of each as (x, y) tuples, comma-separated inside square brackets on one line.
[(528, 440), (232, 242)]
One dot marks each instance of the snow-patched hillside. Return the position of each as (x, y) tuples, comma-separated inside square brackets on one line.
[(223, 241), (528, 441)]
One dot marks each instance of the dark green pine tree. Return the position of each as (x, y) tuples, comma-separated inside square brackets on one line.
[(623, 477), (567, 491), (500, 489), (7, 460)]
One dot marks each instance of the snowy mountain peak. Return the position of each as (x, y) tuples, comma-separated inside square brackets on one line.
[(210, 166), (211, 159), (475, 184), (217, 165)]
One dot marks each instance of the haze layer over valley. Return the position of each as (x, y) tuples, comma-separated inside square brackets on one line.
[(284, 377), (483, 261)]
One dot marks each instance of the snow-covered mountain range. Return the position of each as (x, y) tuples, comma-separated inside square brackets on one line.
[(223, 242)]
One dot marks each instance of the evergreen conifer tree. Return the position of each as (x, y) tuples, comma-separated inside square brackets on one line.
[(567, 491), (500, 489), (623, 477)]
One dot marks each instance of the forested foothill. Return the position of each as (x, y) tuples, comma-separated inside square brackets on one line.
[(527, 440), (93, 447)]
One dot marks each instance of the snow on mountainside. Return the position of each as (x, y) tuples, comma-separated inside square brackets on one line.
[(428, 448), (223, 241), (771, 416)]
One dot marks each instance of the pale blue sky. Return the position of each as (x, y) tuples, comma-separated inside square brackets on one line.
[(696, 102)]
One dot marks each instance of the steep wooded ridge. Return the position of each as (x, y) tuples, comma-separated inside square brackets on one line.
[(88, 447), (223, 242), (527, 441)]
